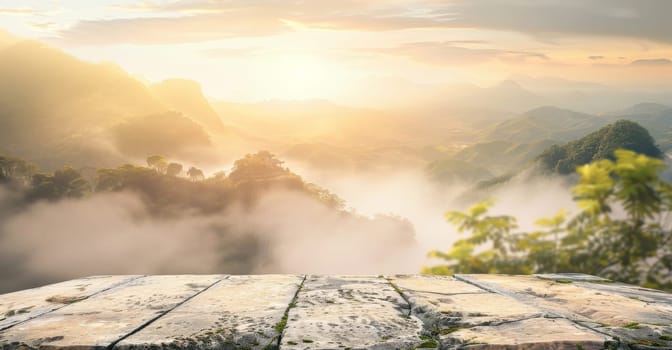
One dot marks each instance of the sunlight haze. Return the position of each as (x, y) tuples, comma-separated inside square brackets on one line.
[(335, 136), (337, 50)]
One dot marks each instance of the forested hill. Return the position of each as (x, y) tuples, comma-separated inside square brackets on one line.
[(96, 114), (166, 187), (251, 219), (600, 144)]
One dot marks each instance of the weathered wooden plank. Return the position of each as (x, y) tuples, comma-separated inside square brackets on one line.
[(241, 312), (26, 304), (358, 312), (107, 317)]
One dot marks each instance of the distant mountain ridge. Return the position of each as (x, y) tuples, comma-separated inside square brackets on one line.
[(545, 123), (65, 103), (88, 114), (514, 144), (563, 125), (642, 109), (186, 96)]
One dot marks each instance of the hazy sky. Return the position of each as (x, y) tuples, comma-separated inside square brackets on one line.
[(260, 49)]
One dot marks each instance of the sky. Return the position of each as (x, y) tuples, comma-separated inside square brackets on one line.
[(250, 50)]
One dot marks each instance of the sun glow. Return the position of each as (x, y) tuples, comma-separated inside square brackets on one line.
[(300, 76)]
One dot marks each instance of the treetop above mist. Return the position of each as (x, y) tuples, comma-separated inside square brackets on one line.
[(161, 184)]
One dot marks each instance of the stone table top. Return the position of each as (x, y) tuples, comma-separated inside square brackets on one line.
[(555, 311)]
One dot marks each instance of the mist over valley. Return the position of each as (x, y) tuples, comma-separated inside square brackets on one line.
[(106, 171)]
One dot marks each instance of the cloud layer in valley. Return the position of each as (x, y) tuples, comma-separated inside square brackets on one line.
[(114, 234)]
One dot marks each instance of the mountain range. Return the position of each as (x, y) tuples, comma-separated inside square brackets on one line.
[(511, 144), (56, 109)]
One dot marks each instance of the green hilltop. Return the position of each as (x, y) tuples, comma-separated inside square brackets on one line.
[(598, 145)]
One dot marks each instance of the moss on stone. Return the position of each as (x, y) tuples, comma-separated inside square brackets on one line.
[(428, 342), (562, 281), (445, 331), (647, 343), (632, 325)]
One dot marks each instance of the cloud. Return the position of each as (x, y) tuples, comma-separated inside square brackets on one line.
[(615, 18), (144, 7), (114, 233), (595, 58), (24, 11), (201, 20), (42, 25), (224, 52), (162, 30), (652, 62), (192, 21), (452, 53)]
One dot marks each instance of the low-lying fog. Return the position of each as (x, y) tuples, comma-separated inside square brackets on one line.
[(283, 233)]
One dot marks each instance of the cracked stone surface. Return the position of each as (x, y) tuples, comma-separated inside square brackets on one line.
[(610, 308), (551, 311), (335, 312), (240, 311), (458, 304), (24, 305), (533, 333), (101, 320)]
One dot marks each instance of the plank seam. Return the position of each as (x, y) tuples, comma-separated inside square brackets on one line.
[(114, 285), (161, 314), (291, 305), (547, 313), (402, 295)]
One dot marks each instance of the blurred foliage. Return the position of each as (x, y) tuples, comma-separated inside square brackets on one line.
[(174, 169), (195, 174), (15, 169), (63, 183), (260, 166), (622, 230)]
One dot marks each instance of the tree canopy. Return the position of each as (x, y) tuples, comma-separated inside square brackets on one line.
[(162, 188), (195, 174), (259, 166), (173, 169), (15, 168), (158, 163), (599, 145), (66, 182)]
